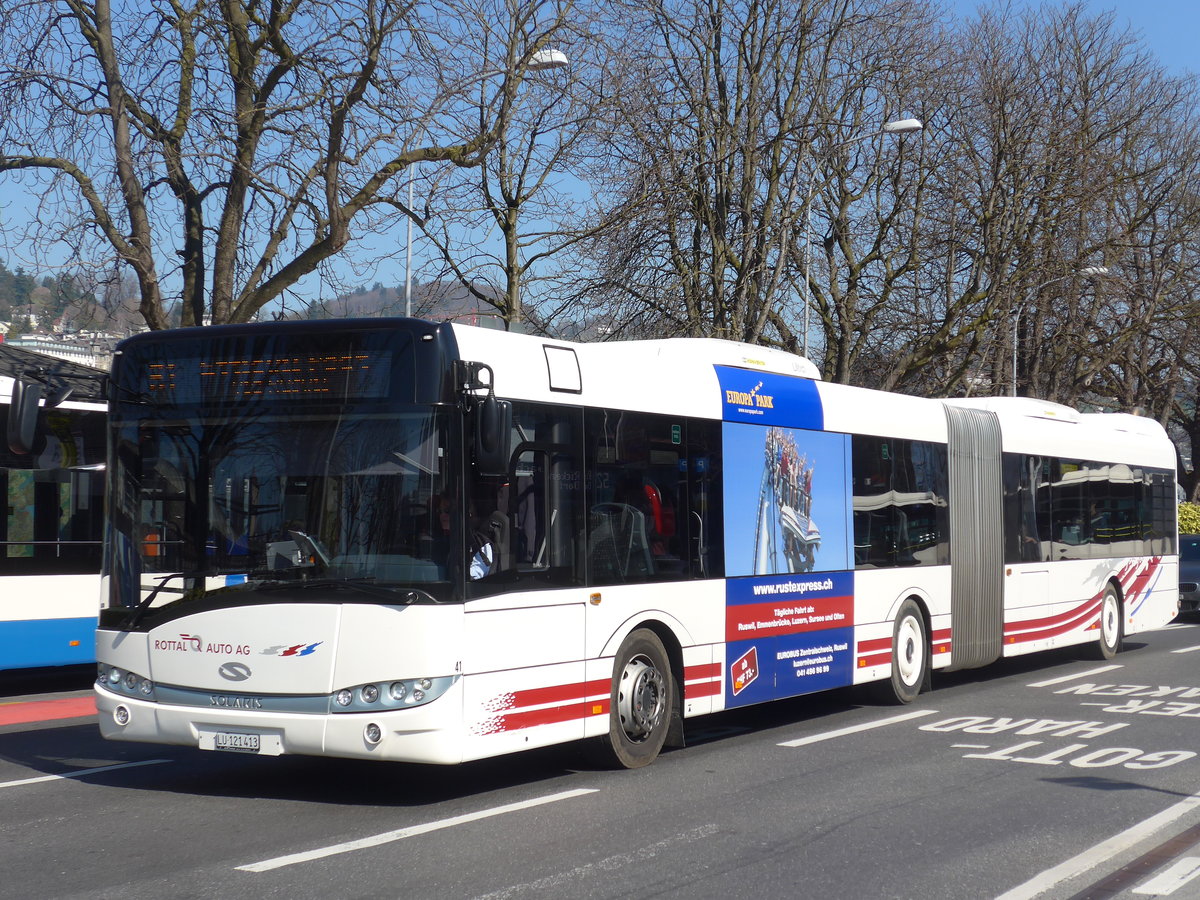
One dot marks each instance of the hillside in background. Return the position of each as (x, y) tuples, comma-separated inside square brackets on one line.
[(48, 304), (437, 300)]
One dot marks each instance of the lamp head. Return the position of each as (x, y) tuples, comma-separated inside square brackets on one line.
[(902, 126), (548, 58)]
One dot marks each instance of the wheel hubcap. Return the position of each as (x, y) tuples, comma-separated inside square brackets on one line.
[(641, 698), (1108, 621), (910, 651)]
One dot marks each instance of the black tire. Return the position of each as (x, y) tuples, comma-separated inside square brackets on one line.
[(1112, 624), (910, 657), (641, 701)]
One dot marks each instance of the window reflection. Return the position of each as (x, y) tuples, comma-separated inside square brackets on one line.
[(1080, 509)]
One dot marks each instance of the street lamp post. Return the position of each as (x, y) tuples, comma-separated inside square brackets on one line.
[(541, 61), (408, 249), (1085, 272), (896, 126)]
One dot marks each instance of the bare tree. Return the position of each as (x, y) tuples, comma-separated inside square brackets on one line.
[(497, 227), (730, 113), (707, 160), (224, 151), (1063, 123)]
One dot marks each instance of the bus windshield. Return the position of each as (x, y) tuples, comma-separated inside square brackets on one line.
[(282, 497)]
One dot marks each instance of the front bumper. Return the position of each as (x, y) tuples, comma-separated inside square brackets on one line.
[(426, 734)]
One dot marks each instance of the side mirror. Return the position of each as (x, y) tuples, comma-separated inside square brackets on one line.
[(493, 433), (23, 416)]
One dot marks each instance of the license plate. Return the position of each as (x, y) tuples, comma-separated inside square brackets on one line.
[(237, 742)]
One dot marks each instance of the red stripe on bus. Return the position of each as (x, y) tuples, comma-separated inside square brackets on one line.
[(1089, 616), (552, 715), (875, 644), (1143, 579), (555, 693), (704, 670), (46, 710), (1084, 609), (698, 689)]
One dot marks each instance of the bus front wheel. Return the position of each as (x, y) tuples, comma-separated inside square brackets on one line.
[(641, 699)]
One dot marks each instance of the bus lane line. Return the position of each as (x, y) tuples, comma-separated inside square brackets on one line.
[(855, 729), (1187, 649), (1101, 853), (400, 834), (80, 773), (1075, 675)]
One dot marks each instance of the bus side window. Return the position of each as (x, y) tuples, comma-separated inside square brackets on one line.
[(705, 506), (637, 498), (1026, 509)]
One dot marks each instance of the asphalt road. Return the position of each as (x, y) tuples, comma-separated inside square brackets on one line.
[(1052, 776)]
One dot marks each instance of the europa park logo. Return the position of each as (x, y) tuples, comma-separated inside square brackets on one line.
[(751, 398)]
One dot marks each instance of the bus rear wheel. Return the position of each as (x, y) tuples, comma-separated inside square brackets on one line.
[(641, 700), (1111, 624), (910, 657)]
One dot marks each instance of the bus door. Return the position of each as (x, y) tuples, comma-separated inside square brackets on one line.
[(1028, 530), (525, 615)]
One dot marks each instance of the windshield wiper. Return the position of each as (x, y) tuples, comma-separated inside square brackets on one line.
[(137, 614)]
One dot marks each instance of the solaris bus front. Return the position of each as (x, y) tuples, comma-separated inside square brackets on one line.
[(288, 543)]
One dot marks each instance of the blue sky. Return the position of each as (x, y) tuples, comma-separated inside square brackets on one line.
[(1170, 28)]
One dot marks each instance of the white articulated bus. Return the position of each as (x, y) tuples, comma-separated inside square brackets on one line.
[(50, 536), (395, 539)]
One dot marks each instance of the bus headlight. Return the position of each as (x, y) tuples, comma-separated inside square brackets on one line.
[(400, 694), (121, 715), (124, 681)]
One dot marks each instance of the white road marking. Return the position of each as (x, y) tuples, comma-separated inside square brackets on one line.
[(855, 729), (82, 772), (1170, 880), (1050, 681), (553, 885), (1187, 649), (1102, 852), (412, 831)]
